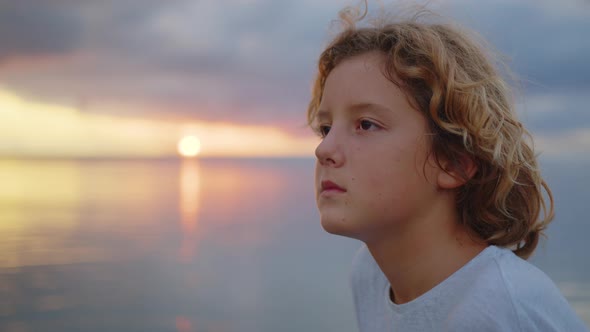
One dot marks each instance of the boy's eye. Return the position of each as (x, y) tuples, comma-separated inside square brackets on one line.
[(324, 130), (366, 124)]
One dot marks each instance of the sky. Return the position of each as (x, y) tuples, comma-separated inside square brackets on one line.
[(81, 78)]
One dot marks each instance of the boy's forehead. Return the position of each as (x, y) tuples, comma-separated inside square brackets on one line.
[(360, 81), (356, 107)]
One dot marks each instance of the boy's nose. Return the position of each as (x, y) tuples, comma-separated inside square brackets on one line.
[(329, 151)]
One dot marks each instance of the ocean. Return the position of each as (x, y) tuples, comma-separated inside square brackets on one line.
[(206, 245)]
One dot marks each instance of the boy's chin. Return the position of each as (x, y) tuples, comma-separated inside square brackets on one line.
[(340, 226)]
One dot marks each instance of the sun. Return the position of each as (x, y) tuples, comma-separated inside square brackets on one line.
[(189, 146)]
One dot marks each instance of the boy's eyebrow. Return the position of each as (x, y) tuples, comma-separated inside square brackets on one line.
[(358, 107), (366, 106), (322, 114)]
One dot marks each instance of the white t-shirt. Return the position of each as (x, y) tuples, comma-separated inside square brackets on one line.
[(495, 291)]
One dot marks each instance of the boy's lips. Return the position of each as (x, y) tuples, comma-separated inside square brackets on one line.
[(327, 185)]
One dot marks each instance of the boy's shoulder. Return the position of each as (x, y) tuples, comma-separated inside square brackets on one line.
[(537, 301), (527, 285), (497, 290), (507, 287)]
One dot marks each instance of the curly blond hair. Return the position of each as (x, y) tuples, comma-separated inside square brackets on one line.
[(450, 78)]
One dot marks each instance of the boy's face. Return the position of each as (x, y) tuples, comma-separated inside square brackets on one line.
[(375, 149)]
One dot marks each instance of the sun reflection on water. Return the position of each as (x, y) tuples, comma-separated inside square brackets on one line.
[(190, 186)]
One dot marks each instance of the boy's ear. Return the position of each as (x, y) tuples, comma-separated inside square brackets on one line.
[(457, 172)]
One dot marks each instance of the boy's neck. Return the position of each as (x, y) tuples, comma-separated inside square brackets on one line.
[(423, 256)]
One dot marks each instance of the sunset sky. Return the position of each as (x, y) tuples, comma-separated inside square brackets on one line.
[(131, 78)]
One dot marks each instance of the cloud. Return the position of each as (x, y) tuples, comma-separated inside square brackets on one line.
[(553, 112), (573, 144), (37, 29), (546, 42), (41, 130), (245, 61), (239, 59)]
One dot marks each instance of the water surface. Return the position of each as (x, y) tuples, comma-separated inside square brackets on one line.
[(209, 245)]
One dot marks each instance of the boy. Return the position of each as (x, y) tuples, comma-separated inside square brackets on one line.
[(423, 159)]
